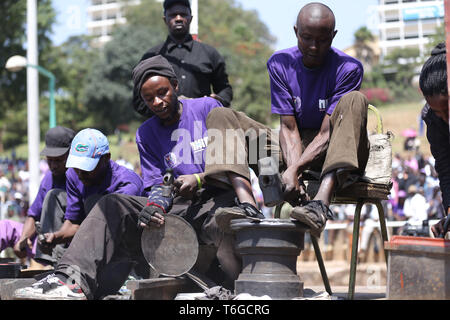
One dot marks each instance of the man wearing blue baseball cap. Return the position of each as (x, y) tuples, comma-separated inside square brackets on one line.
[(91, 174)]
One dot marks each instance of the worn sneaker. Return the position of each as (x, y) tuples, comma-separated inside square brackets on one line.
[(50, 288), (244, 210), (314, 214)]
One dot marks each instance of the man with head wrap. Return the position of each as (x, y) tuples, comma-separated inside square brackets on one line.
[(173, 138)]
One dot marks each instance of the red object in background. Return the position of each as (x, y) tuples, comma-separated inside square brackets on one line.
[(377, 94), (398, 241)]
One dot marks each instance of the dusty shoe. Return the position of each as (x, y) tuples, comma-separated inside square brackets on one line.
[(244, 210), (51, 287), (314, 214)]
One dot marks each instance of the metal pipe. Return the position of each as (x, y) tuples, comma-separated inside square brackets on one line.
[(32, 100), (194, 24)]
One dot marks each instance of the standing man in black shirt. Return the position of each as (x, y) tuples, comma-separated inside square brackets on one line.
[(198, 66)]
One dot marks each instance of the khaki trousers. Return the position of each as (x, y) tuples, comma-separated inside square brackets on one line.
[(236, 142)]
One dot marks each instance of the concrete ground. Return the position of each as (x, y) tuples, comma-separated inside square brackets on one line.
[(370, 279)]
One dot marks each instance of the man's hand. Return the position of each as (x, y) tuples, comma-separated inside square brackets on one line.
[(438, 228), (151, 216), (20, 248), (186, 186), (46, 245)]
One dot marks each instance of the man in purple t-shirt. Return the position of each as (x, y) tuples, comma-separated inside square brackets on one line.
[(49, 205), (91, 175), (323, 117), (322, 124), (108, 241)]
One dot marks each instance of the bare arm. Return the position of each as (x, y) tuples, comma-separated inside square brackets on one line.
[(28, 231), (290, 141), (64, 234), (291, 146)]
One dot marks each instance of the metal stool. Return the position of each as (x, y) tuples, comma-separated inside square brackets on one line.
[(361, 193)]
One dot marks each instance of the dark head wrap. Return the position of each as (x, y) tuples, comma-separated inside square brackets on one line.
[(157, 65), (168, 3)]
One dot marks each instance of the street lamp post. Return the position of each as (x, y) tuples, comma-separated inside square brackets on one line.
[(17, 63)]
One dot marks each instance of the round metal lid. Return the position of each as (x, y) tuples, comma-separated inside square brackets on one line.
[(172, 249)]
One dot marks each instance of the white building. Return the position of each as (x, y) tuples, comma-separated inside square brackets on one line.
[(103, 15), (408, 23)]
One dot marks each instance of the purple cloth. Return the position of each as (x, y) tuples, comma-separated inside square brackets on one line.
[(309, 93), (118, 179), (180, 146), (47, 184), (10, 232)]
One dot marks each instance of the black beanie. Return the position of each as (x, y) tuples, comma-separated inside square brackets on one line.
[(157, 65), (168, 3)]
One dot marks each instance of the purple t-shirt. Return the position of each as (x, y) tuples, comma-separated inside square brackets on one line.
[(180, 146), (118, 179), (309, 93), (47, 184)]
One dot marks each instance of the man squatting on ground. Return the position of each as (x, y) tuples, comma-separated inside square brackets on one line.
[(91, 174), (433, 84), (48, 207), (200, 69), (111, 230), (323, 119)]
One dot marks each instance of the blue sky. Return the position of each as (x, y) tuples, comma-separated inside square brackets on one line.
[(278, 15)]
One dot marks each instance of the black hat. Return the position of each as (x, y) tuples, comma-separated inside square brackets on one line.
[(157, 65), (168, 3), (57, 141)]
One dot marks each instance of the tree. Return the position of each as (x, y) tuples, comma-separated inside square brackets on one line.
[(109, 87), (246, 44), (12, 39), (71, 63), (364, 51), (436, 38), (400, 66)]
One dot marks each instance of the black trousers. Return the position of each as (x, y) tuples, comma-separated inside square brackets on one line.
[(108, 243)]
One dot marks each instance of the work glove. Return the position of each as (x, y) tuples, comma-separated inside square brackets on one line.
[(156, 203)]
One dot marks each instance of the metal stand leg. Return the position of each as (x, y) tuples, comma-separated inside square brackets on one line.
[(323, 271), (384, 233), (354, 258)]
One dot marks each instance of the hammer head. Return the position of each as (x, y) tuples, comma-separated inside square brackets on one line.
[(270, 182)]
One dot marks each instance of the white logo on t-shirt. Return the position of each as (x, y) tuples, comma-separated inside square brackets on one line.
[(323, 104)]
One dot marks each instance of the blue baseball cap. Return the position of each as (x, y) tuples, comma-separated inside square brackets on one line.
[(87, 147)]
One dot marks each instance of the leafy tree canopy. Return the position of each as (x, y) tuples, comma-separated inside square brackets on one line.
[(13, 84)]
